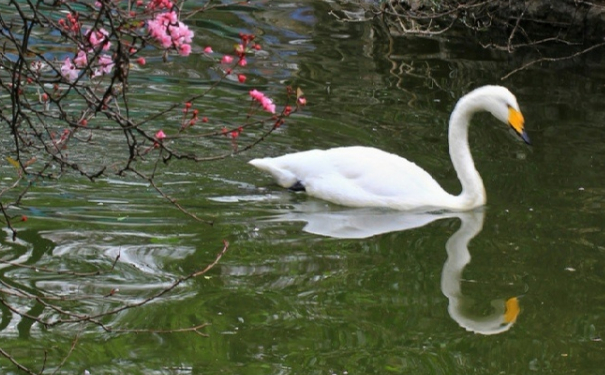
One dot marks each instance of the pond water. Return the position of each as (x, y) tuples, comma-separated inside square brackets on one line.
[(517, 287)]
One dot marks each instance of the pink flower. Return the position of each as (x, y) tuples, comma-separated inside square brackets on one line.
[(227, 59), (160, 135), (268, 104), (208, 50), (157, 29), (242, 62), (170, 32), (99, 37), (160, 4), (241, 78), (184, 49), (105, 66), (141, 61), (263, 100), (257, 95), (81, 60), (302, 101), (69, 71)]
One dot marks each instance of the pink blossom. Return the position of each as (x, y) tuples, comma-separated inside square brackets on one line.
[(170, 32), (256, 94), (208, 50), (81, 60), (268, 104), (160, 4), (157, 29), (265, 102), (241, 78), (99, 37), (227, 59), (69, 71), (180, 34), (141, 61), (242, 62), (160, 135), (184, 49), (105, 66)]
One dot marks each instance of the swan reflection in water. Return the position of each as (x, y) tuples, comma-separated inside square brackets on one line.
[(363, 223)]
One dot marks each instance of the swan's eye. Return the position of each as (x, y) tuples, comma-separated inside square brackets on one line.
[(515, 119)]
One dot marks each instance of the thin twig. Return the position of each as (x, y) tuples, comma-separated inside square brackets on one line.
[(551, 59), (68, 354), (63, 272), (14, 362)]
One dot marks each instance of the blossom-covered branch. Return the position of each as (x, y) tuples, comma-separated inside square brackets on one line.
[(73, 109), (67, 106)]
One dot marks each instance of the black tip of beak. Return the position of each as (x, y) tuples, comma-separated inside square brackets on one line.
[(525, 137)]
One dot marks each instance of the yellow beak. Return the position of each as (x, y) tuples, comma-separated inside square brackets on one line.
[(517, 122), (512, 309)]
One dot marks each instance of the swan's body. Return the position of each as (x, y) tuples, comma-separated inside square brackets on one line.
[(367, 177)]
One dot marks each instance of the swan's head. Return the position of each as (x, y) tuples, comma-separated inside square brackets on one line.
[(501, 103), (501, 320)]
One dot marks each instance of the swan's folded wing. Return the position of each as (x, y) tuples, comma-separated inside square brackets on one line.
[(375, 189)]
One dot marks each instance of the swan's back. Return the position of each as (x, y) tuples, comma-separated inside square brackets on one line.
[(356, 176)]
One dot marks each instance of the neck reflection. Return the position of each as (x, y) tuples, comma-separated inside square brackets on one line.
[(364, 223)]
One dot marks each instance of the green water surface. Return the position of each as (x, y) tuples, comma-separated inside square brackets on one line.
[(287, 300)]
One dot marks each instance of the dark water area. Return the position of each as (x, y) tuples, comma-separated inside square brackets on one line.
[(517, 287)]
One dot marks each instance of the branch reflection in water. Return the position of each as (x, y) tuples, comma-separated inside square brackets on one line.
[(364, 223)]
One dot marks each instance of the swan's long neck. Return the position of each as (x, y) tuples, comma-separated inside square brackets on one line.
[(473, 191)]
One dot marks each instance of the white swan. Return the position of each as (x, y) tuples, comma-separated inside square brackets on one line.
[(367, 177)]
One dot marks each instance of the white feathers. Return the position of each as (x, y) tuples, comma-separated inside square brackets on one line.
[(367, 177)]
